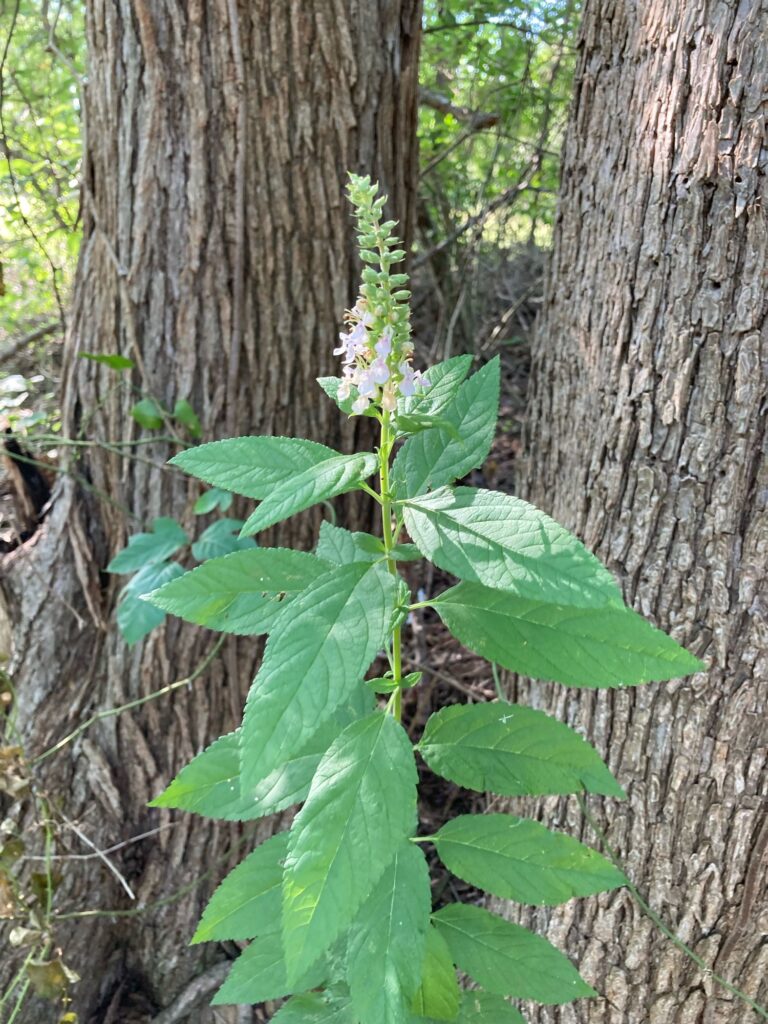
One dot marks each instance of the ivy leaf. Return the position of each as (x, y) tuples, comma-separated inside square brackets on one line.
[(240, 592), (315, 1008), (135, 617), (505, 543), (219, 539), (438, 995), (212, 499), (512, 750), (314, 659), (210, 783), (387, 943), (444, 381), (186, 415), (248, 901), (361, 805), (521, 860), (506, 959), (164, 540), (148, 414), (434, 457), (259, 973), (251, 466), (328, 479), (593, 647), (341, 546)]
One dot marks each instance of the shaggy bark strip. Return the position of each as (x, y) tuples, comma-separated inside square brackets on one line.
[(217, 254), (647, 436)]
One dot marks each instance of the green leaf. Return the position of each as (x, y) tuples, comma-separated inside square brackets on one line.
[(318, 483), (251, 466), (512, 750), (240, 593), (315, 1008), (143, 549), (506, 959), (135, 617), (210, 783), (479, 1007), (433, 457), (505, 543), (148, 414), (248, 902), (219, 539), (114, 362), (212, 499), (314, 659), (444, 379), (388, 940), (186, 415), (361, 805), (438, 994), (593, 647), (518, 859), (341, 546), (259, 974)]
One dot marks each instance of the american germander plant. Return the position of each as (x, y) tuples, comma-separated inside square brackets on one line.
[(337, 908)]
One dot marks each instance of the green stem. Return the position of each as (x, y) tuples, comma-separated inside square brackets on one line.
[(663, 928), (390, 539)]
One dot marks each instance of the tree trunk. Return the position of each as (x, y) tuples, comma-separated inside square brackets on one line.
[(217, 255), (647, 436)]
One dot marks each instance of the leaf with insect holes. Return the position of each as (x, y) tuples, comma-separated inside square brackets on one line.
[(361, 806), (506, 959), (593, 647), (512, 750), (315, 658), (521, 860)]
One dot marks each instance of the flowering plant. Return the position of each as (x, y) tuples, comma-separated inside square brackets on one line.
[(337, 909)]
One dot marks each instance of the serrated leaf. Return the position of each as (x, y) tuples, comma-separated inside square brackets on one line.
[(248, 902), (438, 995), (444, 381), (164, 540), (186, 415), (220, 539), (518, 859), (240, 593), (433, 458), (340, 546), (259, 974), (507, 544), (314, 659), (135, 616), (210, 783), (251, 466), (506, 959), (592, 647), (315, 1008), (361, 805), (318, 483), (387, 944), (512, 750), (148, 414), (212, 499), (114, 362)]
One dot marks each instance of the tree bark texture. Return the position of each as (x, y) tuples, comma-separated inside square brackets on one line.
[(647, 436), (218, 254)]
